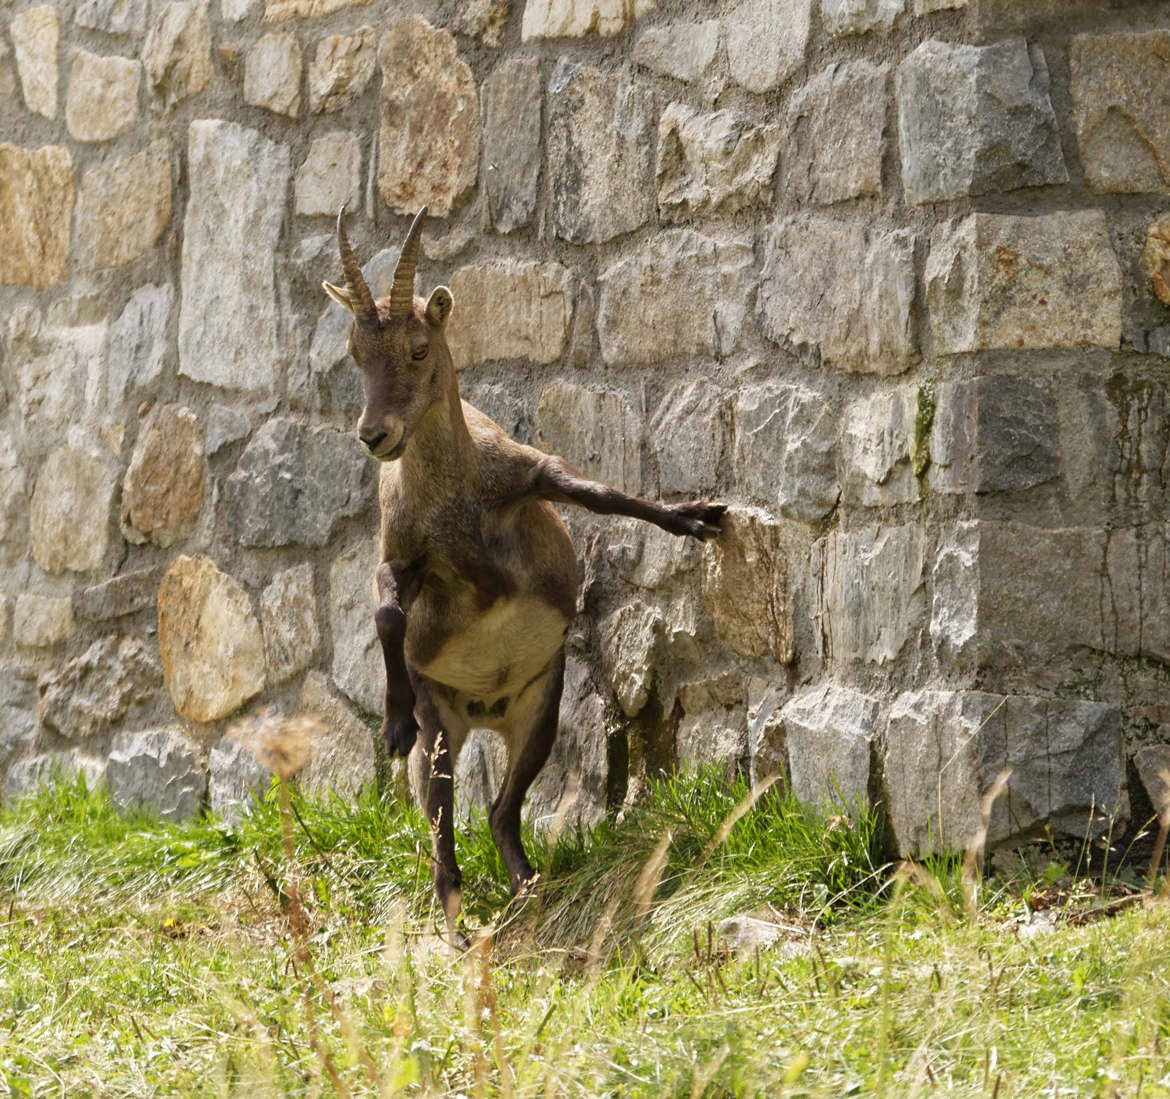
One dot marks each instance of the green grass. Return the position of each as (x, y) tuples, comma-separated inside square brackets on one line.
[(297, 954)]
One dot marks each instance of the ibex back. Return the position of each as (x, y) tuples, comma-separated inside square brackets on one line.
[(478, 578)]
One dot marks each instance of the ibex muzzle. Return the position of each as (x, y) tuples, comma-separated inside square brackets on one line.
[(478, 580)]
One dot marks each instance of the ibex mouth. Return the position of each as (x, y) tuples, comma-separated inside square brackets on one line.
[(393, 453)]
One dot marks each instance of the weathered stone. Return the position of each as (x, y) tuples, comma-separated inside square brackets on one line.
[(689, 431), (177, 52), (597, 433), (225, 426), (18, 708), (358, 668), (483, 19), (836, 135), (138, 344), (341, 68), (709, 163), (124, 209), (8, 78), (235, 780), (41, 621), (996, 280), (509, 311), (428, 143), (766, 41), (573, 19), (717, 739), (925, 7), (1121, 109), (945, 752), (746, 587), (747, 934), (209, 640), (228, 324), (860, 16), (877, 442), (1153, 768), (681, 294), (479, 772), (828, 733), (1156, 256), (35, 33), (45, 769), (118, 596), (784, 450), (288, 615), (597, 120), (91, 693), (954, 611), (113, 16), (343, 751), (159, 771), (13, 498), (872, 600), (278, 11), (272, 74), (103, 96), (70, 516), (685, 51), (36, 206), (294, 484), (974, 119), (162, 493), (511, 141), (330, 176), (631, 642), (842, 287)]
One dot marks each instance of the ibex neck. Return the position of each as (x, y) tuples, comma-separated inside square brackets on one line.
[(439, 451)]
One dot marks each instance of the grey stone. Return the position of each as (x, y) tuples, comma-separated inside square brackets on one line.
[(93, 692), (598, 433), (118, 596), (288, 616), (631, 643), (272, 74), (829, 732), (158, 771), (70, 515), (685, 51), (573, 19), (138, 347), (358, 668), (746, 934), (8, 78), (713, 739), (689, 431), (177, 52), (599, 153), (51, 388), (343, 749), (235, 780), (13, 499), (843, 288), (33, 773), (860, 16), (1153, 768), (113, 16), (41, 621), (330, 177), (511, 141), (225, 425), (124, 208), (954, 610), (228, 325), (709, 163), (341, 68), (334, 382), (766, 41), (975, 119), (877, 441), (479, 772), (18, 713), (293, 485), (836, 135)]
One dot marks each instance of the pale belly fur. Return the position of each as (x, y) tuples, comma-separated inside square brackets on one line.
[(502, 651)]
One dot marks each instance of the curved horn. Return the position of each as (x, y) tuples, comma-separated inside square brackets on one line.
[(359, 292), (402, 293)]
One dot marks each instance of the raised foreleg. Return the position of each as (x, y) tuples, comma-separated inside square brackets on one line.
[(397, 585)]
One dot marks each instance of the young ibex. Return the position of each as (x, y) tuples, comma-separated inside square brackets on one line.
[(478, 580)]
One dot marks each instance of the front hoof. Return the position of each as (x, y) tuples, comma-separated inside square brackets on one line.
[(399, 735), (702, 519)]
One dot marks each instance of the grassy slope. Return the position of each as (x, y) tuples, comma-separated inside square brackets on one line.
[(137, 958)]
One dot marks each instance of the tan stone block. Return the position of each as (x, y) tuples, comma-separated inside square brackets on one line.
[(288, 615), (330, 176), (341, 68), (36, 206), (35, 33), (125, 208), (766, 41), (40, 621), (272, 74), (277, 11), (177, 52), (102, 101), (574, 18), (483, 19), (1157, 257), (70, 515), (162, 493)]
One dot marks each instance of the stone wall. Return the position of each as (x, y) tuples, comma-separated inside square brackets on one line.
[(887, 276)]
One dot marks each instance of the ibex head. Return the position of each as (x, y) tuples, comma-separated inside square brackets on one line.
[(397, 342)]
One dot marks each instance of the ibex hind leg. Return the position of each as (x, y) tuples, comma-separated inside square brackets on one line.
[(530, 736)]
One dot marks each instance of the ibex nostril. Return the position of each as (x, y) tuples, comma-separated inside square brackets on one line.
[(374, 441)]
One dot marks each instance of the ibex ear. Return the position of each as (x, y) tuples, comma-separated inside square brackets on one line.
[(439, 306), (339, 294)]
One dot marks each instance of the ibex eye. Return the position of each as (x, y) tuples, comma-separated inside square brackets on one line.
[(420, 352)]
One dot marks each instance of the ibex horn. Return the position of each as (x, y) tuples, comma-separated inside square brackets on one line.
[(359, 292), (402, 293)]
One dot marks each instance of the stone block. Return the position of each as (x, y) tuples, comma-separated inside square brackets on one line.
[(35, 33), (159, 771), (680, 294), (102, 101), (228, 325), (330, 177), (36, 207), (1153, 768), (45, 769), (510, 310), (235, 780), (784, 450), (596, 197), (1002, 281), (288, 616), (123, 209), (689, 433), (41, 621), (843, 17), (954, 609), (872, 599), (293, 485), (117, 597), (1120, 85), (138, 346), (713, 163), (766, 41), (842, 287), (343, 750), (927, 7), (225, 425), (598, 433), (341, 69), (177, 52), (91, 693), (279, 11), (13, 498), (18, 714), (483, 19), (358, 668), (976, 119), (8, 76), (877, 444), (835, 138), (113, 16), (209, 639), (1156, 257), (684, 51), (428, 143), (511, 141), (272, 74), (162, 493), (574, 19), (70, 514), (631, 650)]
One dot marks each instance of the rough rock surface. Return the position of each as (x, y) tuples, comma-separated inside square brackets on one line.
[(103, 96), (597, 433), (41, 621), (358, 668), (511, 141), (162, 492), (35, 35), (288, 615), (235, 779), (36, 197), (158, 771), (70, 514), (341, 68), (766, 41), (272, 74), (124, 208), (177, 52), (343, 751)]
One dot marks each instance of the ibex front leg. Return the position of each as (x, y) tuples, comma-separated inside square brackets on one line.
[(397, 586)]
